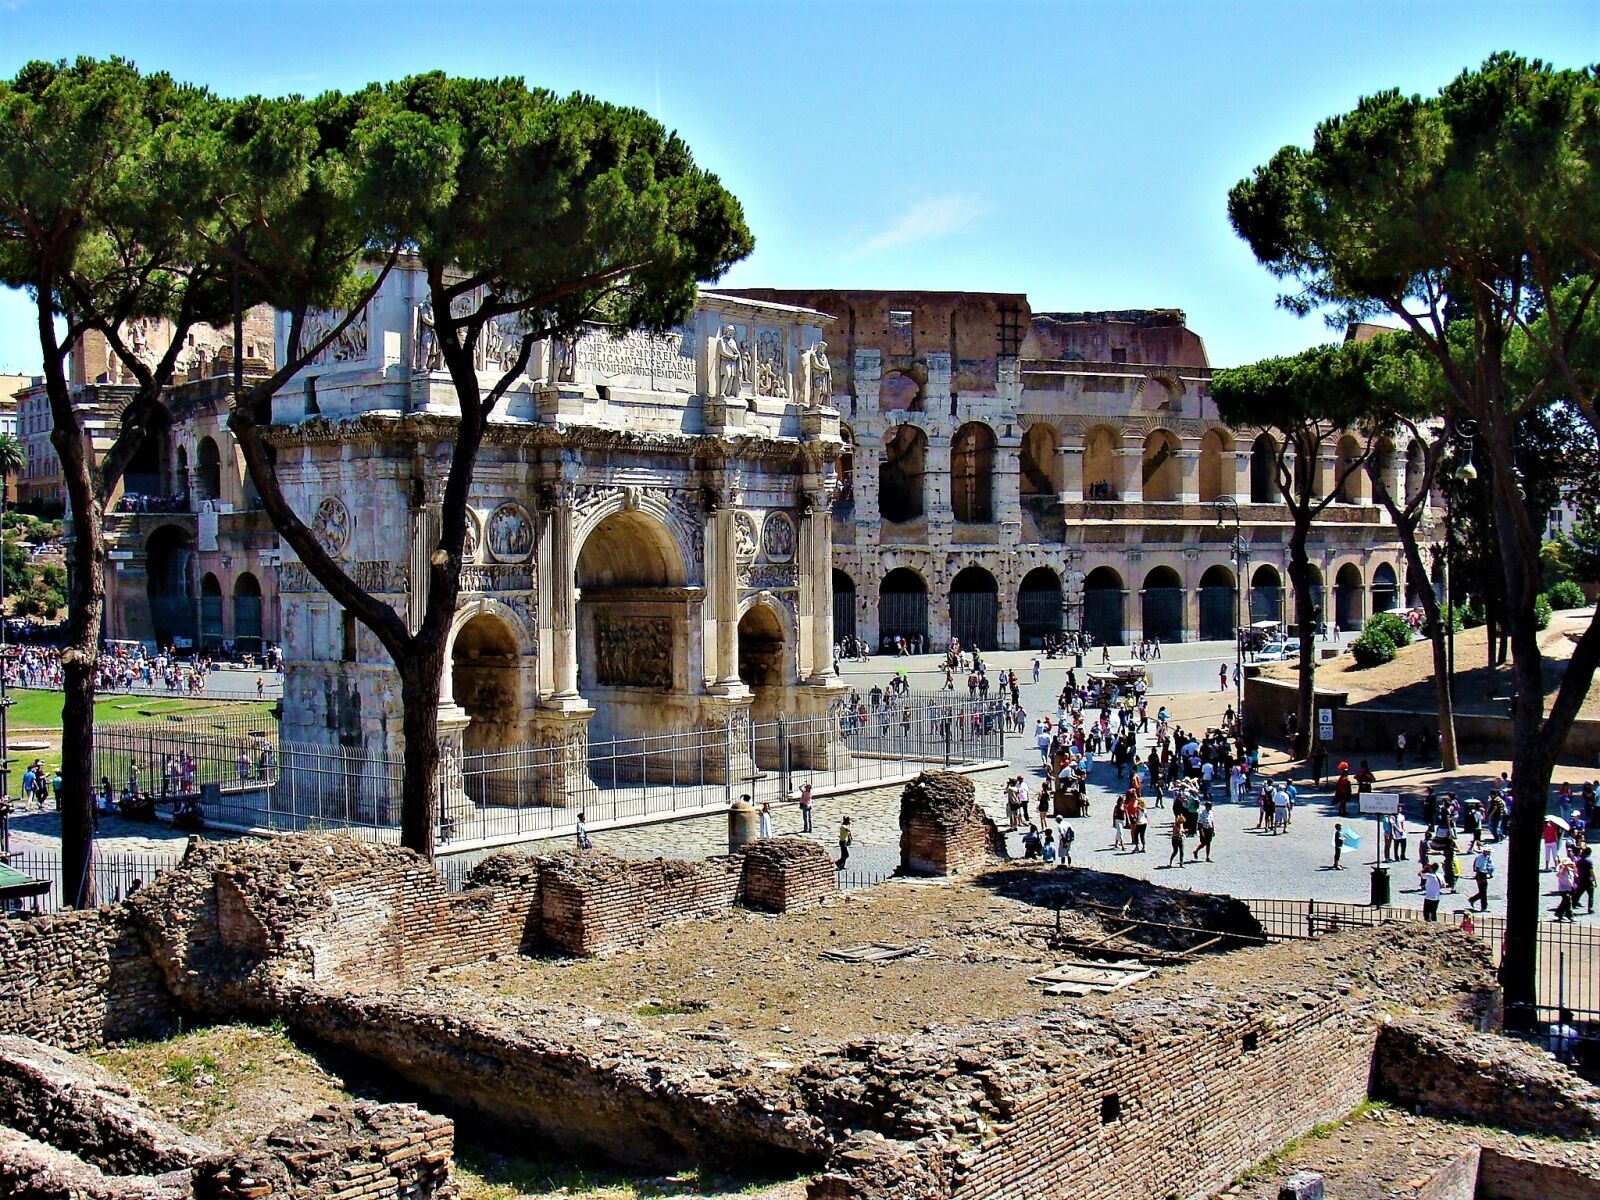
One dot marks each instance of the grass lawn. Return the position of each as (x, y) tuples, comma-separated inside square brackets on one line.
[(42, 709)]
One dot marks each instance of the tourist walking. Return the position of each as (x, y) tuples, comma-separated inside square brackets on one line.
[(1583, 878), (1432, 890), (1177, 839), (1482, 872), (1338, 845), (845, 838), (1206, 822), (764, 821), (581, 830)]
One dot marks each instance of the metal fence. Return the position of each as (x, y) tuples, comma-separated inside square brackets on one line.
[(115, 875), (1568, 962), (233, 763)]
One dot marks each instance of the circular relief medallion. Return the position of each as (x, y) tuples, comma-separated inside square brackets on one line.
[(331, 524), (744, 529), (777, 537), (510, 533)]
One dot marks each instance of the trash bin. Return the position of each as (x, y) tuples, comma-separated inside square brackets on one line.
[(1380, 887), (1078, 658)]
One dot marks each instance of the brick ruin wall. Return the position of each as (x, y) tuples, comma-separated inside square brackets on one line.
[(787, 874), (942, 829), (591, 903), (80, 979), (1155, 1097), (1460, 1075)]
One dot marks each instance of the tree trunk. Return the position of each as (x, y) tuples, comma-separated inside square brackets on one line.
[(77, 721), (1532, 759), (85, 603), (1436, 619), (1300, 579), (421, 684)]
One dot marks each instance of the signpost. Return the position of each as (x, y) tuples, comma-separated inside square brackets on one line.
[(1379, 805)]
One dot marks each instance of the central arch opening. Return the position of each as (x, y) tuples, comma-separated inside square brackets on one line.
[(1266, 594), (844, 606), (247, 613), (975, 609), (1161, 469), (169, 587), (629, 626), (902, 607), (1217, 604), (1348, 597), (1039, 607), (900, 476), (972, 474), (1103, 601), (1163, 605), (210, 613), (1264, 471)]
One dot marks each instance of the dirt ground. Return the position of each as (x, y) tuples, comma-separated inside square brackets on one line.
[(1407, 682), (758, 978), (227, 1083)]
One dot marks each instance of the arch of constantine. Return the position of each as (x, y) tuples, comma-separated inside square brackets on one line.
[(650, 543)]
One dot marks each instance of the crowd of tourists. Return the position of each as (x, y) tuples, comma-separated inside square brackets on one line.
[(123, 667)]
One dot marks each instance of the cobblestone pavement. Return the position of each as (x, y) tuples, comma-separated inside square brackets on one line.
[(1295, 864)]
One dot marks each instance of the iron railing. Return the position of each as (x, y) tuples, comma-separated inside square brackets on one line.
[(1568, 960), (115, 875), (243, 777)]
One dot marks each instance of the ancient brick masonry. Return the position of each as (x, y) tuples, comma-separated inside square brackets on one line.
[(1454, 1074), (76, 1133), (786, 874), (346, 1151), (942, 829), (61, 1098), (79, 979), (593, 902)]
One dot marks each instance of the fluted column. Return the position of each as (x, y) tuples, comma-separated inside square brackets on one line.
[(819, 545), (563, 596), (725, 590)]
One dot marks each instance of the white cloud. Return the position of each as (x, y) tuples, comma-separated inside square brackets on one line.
[(926, 219)]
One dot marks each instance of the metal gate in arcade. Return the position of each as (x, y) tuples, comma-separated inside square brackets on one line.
[(975, 609)]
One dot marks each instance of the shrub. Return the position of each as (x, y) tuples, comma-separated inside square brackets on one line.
[(1541, 611), (1472, 616), (1373, 647), (1566, 594), (1394, 627), (1452, 618)]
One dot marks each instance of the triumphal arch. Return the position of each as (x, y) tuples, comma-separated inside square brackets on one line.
[(649, 539)]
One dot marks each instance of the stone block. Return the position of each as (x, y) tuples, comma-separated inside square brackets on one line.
[(1302, 1185)]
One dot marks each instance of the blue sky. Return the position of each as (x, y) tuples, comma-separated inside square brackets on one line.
[(1078, 152)]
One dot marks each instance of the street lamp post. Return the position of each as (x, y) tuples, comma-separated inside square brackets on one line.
[(1226, 506)]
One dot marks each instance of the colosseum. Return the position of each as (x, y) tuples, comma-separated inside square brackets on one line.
[(1016, 474)]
